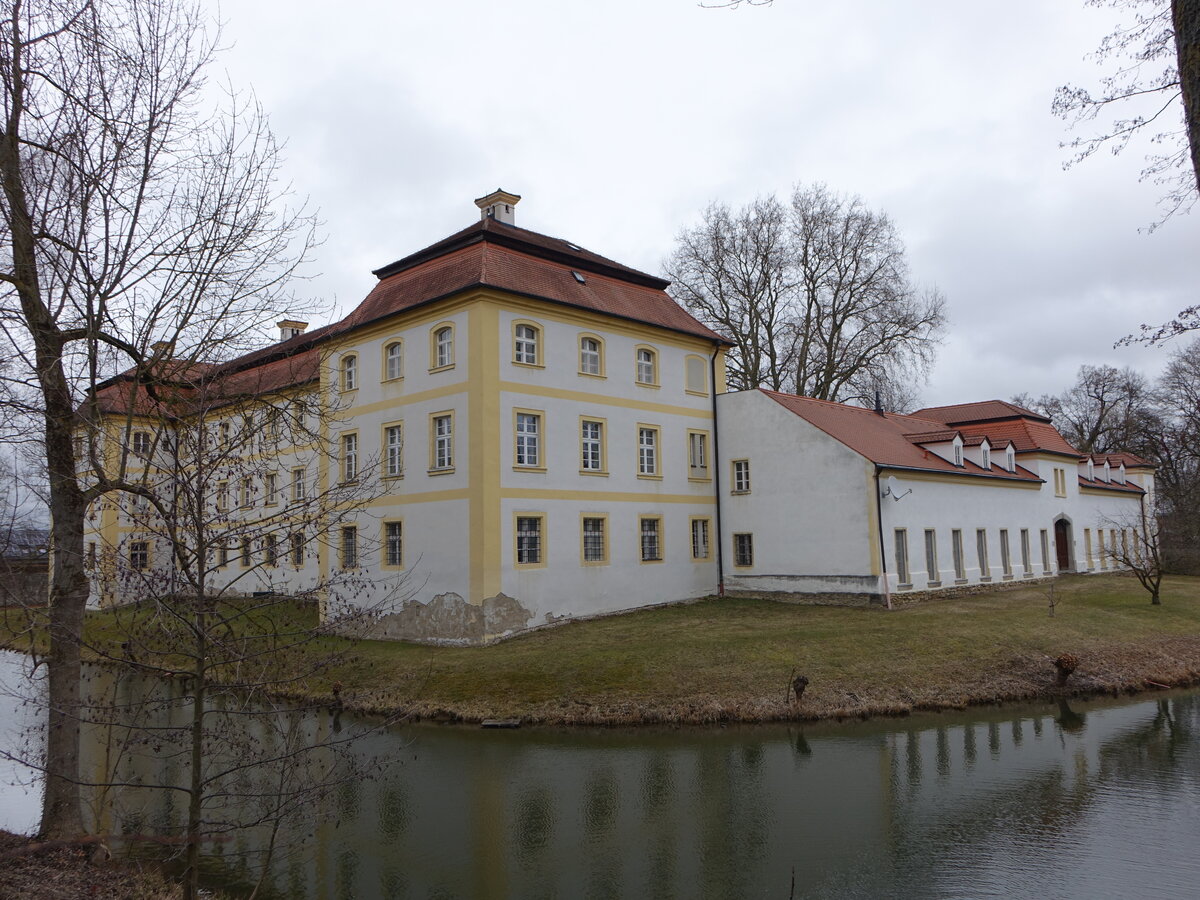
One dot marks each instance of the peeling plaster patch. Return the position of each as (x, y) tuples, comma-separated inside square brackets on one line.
[(449, 619)]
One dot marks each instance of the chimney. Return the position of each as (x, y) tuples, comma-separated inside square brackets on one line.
[(878, 405), (499, 205), (289, 328)]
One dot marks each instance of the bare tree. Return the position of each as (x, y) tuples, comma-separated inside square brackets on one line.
[(1135, 547), (131, 219), (1107, 410), (815, 294)]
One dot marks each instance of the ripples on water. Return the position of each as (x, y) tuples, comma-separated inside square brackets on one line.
[(1054, 801)]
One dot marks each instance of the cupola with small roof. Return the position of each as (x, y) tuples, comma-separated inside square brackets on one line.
[(499, 205)]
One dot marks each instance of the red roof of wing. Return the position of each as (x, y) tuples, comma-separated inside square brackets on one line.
[(883, 439), (1127, 488), (1115, 460), (1026, 435), (981, 411)]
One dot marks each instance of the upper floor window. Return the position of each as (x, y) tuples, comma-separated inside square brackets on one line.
[(141, 443), (349, 372), (591, 446), (528, 449), (394, 444), (741, 476), (393, 361), (591, 356), (697, 454), (647, 366), (298, 491), (695, 374), (349, 457), (443, 347), (443, 442), (525, 344), (647, 451)]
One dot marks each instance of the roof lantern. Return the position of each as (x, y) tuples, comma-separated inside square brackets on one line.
[(499, 205)]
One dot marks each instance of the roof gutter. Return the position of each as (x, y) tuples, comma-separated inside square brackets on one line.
[(716, 462)]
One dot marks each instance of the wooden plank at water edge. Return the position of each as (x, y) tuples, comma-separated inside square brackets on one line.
[(501, 723)]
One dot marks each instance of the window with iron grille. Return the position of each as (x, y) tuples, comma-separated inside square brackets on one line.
[(593, 539), (271, 550), (297, 549), (349, 546), (247, 553), (139, 555), (529, 540), (699, 538), (743, 550), (651, 543), (394, 543)]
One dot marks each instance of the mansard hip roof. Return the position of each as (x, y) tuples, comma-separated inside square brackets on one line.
[(980, 411)]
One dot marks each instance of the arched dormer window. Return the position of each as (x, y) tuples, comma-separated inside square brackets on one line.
[(350, 372), (1010, 458), (393, 361), (1091, 469), (958, 451), (987, 455)]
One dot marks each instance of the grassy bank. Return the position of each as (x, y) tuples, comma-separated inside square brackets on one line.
[(732, 659)]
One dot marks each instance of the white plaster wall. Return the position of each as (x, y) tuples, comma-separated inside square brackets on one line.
[(808, 506)]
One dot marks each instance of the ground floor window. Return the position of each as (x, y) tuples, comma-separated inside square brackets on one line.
[(1005, 554), (393, 538), (651, 540), (1045, 535), (743, 550), (931, 558), (956, 546), (529, 540), (982, 549), (139, 555), (699, 538), (902, 571), (297, 549), (349, 546), (594, 549), (1026, 566)]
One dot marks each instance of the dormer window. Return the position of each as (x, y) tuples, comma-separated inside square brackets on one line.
[(1091, 469), (987, 455), (1121, 473), (1010, 459), (1107, 472), (958, 451)]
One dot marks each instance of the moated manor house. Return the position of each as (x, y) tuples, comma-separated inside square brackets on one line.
[(551, 437)]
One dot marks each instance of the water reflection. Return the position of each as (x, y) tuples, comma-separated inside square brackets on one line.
[(1059, 800)]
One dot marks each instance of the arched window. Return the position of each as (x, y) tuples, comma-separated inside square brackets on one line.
[(696, 375), (443, 347), (1010, 459), (393, 355), (591, 356), (647, 366), (525, 344), (349, 372)]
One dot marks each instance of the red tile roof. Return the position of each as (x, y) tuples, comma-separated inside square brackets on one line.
[(884, 439), (981, 411), (1026, 435)]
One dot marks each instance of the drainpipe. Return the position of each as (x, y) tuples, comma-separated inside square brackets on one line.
[(887, 591), (716, 460)]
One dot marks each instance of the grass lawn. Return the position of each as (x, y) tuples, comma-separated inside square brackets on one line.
[(732, 659)]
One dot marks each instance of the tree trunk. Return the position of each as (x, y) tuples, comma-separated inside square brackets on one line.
[(1185, 16)]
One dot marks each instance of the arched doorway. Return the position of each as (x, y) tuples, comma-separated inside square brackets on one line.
[(1062, 544)]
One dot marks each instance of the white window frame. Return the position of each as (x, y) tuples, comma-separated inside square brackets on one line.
[(442, 436), (350, 372), (350, 456), (648, 451), (646, 360), (299, 485), (527, 440), (393, 461), (591, 361), (741, 476), (526, 338), (393, 360), (591, 446)]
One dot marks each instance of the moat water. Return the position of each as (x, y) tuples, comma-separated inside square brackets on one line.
[(1056, 800)]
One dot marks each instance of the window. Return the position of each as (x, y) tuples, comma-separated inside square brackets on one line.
[(987, 456), (647, 366), (350, 372), (591, 446), (91, 554), (349, 546), (595, 541), (139, 555), (223, 553), (647, 451), (246, 493), (141, 443), (902, 572), (297, 549), (393, 441), (696, 375), (1005, 554), (743, 550), (699, 538), (442, 434), (956, 546), (528, 437), (529, 540), (1045, 535), (1010, 459), (697, 454), (1103, 553), (1124, 545), (1060, 482), (222, 496), (393, 544), (393, 361), (932, 575), (1112, 547), (525, 345), (247, 553), (1026, 564), (958, 452), (741, 476), (223, 431), (443, 347), (651, 542), (591, 356), (349, 457), (981, 547), (271, 488), (298, 492), (271, 550), (1087, 546)]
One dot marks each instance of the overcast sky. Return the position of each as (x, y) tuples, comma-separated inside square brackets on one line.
[(619, 121)]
